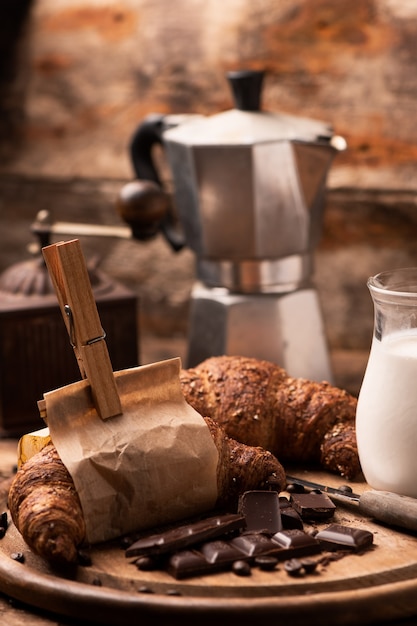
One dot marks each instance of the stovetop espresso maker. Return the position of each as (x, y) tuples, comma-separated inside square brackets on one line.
[(249, 192)]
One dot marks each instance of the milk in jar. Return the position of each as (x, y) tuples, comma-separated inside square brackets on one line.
[(386, 419)]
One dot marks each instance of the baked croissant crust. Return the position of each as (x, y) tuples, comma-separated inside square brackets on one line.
[(256, 402), (46, 509)]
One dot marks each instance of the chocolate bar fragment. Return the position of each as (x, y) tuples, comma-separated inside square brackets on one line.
[(289, 516), (286, 544), (186, 535), (254, 544), (187, 563), (337, 537), (295, 543), (213, 556), (313, 506), (261, 510), (220, 551)]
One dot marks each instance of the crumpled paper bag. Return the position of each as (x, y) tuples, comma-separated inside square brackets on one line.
[(154, 463)]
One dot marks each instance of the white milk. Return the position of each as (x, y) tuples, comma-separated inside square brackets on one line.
[(386, 418)]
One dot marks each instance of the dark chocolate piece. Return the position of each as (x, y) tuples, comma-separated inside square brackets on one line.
[(220, 551), (261, 510), (295, 543), (313, 506), (337, 537), (253, 544), (285, 544), (289, 516), (186, 535), (187, 563)]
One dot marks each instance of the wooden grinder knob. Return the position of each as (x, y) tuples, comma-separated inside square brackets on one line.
[(143, 205)]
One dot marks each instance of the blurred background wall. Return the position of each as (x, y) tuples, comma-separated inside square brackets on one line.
[(77, 76)]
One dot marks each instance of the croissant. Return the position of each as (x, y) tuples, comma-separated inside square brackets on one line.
[(256, 402), (46, 509)]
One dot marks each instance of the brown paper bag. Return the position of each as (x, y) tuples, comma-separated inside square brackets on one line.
[(154, 463)]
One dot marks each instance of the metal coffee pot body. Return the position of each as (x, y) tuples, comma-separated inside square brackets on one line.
[(248, 187), (248, 195)]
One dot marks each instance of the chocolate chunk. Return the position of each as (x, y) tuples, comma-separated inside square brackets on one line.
[(313, 506), (261, 510), (296, 543), (187, 563), (220, 551), (253, 544), (285, 544), (337, 537), (186, 535), (291, 519)]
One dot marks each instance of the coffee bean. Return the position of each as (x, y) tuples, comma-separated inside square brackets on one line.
[(295, 488), (266, 563), (241, 568), (126, 542), (18, 556), (346, 489), (293, 567), (309, 565), (84, 558), (145, 563)]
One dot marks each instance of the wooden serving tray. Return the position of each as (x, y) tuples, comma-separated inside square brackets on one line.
[(376, 586)]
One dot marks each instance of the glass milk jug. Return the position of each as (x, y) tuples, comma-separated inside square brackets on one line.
[(386, 419)]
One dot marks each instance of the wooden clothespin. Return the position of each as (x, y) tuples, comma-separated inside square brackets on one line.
[(68, 271)]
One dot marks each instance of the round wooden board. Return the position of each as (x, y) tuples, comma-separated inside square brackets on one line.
[(378, 585)]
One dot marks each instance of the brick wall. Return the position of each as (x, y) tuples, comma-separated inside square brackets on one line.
[(81, 75)]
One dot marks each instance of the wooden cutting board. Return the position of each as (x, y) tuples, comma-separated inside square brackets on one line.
[(376, 586)]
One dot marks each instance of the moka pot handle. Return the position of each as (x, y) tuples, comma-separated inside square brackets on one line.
[(148, 133)]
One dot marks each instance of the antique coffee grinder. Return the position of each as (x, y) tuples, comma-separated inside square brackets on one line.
[(249, 196)]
